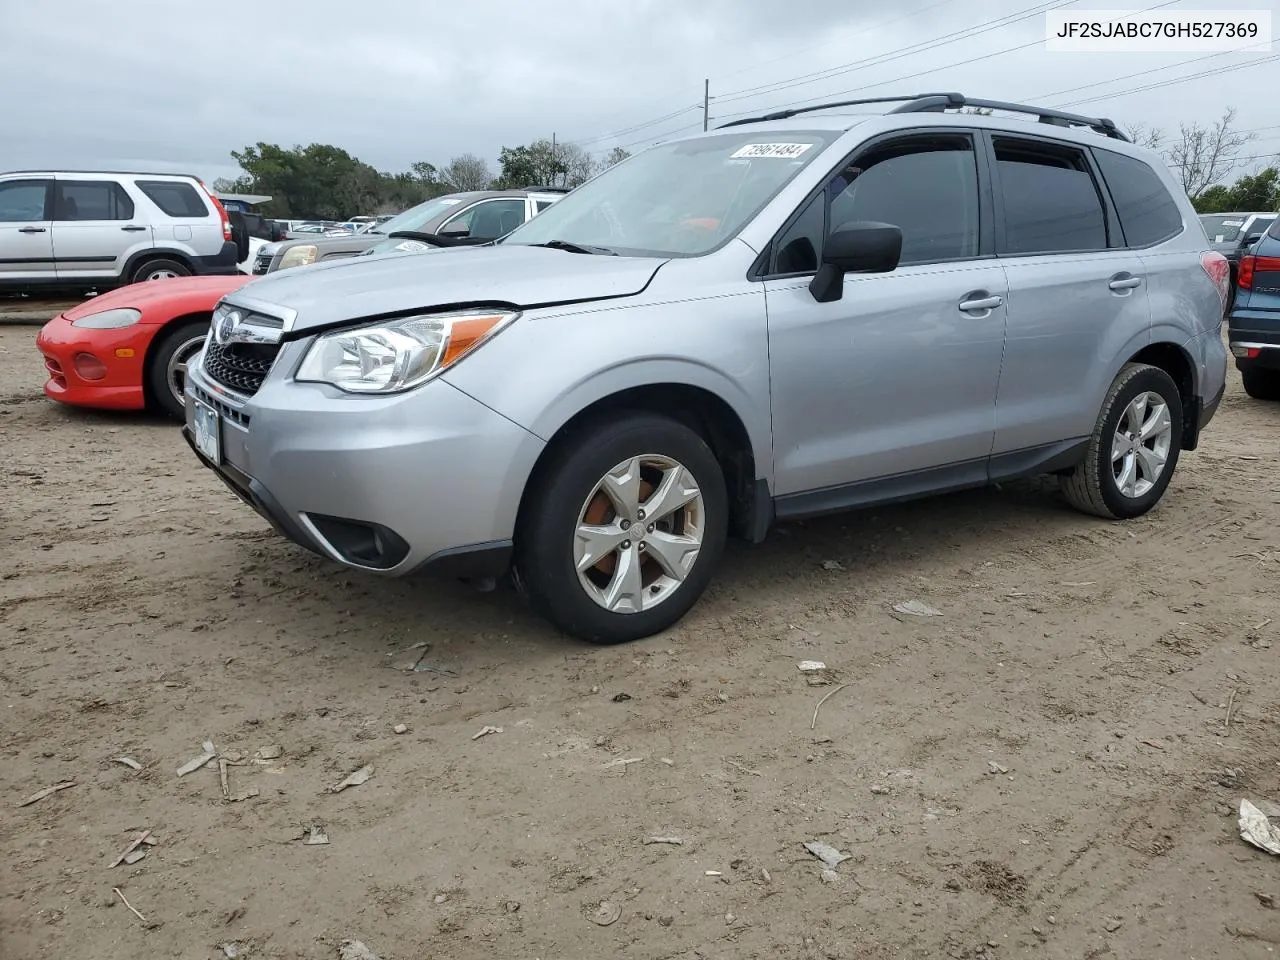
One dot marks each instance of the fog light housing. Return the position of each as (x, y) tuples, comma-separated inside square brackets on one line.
[(89, 367)]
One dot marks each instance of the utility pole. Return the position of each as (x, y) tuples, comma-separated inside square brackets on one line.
[(553, 159), (706, 102)]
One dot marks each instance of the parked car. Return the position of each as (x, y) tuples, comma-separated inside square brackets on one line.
[(83, 230), (1232, 234), (1253, 328), (129, 349), (783, 317), (467, 218)]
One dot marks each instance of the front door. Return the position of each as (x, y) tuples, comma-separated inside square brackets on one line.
[(94, 229), (26, 235), (890, 390)]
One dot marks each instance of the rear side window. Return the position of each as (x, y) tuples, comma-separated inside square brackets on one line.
[(1051, 202), (1148, 215), (91, 200), (175, 198), (23, 200)]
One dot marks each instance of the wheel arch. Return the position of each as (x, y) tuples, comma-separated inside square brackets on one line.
[(159, 333), (1174, 360), (705, 412), (154, 253)]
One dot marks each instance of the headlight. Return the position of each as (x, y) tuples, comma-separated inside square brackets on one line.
[(109, 319), (399, 354), (299, 256)]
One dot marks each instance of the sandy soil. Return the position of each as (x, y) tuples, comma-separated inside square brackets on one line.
[(1046, 770)]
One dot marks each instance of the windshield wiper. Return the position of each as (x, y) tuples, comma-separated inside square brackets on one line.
[(435, 239), (572, 247)]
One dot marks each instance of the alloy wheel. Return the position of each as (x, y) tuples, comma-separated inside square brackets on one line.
[(1140, 448), (639, 533)]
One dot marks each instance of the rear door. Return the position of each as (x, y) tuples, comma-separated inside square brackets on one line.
[(1077, 296), (184, 217), (95, 229), (26, 236)]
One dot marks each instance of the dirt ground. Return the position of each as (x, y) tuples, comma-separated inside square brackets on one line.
[(1050, 769)]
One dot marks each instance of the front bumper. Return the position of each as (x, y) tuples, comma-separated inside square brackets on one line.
[(427, 479), (121, 354)]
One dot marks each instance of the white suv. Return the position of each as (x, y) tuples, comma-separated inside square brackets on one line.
[(93, 230)]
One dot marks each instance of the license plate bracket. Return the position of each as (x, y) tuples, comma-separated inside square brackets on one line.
[(207, 427)]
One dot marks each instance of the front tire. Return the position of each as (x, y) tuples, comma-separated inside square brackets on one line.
[(167, 367), (1134, 447), (1261, 384), (622, 530)]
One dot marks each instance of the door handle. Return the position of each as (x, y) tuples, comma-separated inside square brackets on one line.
[(986, 303), (32, 230), (1128, 283), (132, 229)]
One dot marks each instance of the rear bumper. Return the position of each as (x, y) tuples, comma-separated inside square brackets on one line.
[(224, 263), (121, 354), (1254, 338)]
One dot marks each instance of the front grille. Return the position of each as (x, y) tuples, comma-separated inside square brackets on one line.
[(239, 366), (262, 263)]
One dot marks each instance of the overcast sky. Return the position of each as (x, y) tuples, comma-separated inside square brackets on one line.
[(171, 84)]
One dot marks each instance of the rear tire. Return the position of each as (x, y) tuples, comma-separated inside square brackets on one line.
[(159, 270), (167, 367), (1134, 447), (608, 494), (1261, 384)]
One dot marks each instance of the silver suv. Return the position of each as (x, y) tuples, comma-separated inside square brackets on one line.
[(780, 318), (93, 230)]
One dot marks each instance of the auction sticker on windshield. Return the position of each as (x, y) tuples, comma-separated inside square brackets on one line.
[(783, 151)]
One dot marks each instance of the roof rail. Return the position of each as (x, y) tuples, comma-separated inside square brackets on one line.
[(793, 111), (546, 189), (938, 102)]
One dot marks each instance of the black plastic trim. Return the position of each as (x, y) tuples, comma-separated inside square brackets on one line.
[(473, 562), (965, 474)]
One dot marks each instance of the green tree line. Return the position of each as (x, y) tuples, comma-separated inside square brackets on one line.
[(324, 182)]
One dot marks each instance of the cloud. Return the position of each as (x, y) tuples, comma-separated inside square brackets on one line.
[(156, 83)]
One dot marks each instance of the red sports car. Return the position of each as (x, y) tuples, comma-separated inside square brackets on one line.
[(128, 349)]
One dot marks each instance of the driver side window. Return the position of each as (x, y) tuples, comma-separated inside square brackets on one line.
[(926, 186)]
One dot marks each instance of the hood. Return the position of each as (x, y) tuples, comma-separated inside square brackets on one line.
[(321, 242), (142, 295), (383, 284)]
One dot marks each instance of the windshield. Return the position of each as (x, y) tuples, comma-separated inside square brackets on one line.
[(1222, 229), (679, 199), (415, 217)]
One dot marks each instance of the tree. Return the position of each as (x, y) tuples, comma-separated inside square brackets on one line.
[(1146, 136), (325, 182), (1202, 156), (1256, 191), (616, 155), (539, 164), (467, 172)]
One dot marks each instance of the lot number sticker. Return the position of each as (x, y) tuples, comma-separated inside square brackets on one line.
[(783, 151)]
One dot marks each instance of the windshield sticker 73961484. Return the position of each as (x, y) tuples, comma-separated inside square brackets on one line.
[(783, 151)]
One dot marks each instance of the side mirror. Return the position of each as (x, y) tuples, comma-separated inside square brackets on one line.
[(1250, 240), (859, 247), (454, 230)]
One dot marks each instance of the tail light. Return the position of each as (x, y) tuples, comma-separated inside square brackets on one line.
[(1219, 271), (222, 211), (1249, 265)]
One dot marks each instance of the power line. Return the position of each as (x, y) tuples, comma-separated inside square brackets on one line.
[(1141, 73), (637, 127), (868, 29), (920, 73), (1173, 82), (898, 54)]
